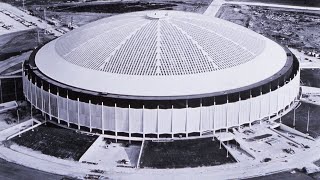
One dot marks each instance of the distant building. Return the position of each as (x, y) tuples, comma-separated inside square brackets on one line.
[(160, 74)]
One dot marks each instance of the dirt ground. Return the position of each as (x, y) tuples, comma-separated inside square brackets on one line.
[(296, 29)]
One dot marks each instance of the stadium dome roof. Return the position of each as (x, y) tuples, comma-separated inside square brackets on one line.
[(160, 53)]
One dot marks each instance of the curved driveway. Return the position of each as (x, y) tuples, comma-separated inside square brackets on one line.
[(12, 171)]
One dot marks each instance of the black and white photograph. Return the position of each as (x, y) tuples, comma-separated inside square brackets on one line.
[(159, 89)]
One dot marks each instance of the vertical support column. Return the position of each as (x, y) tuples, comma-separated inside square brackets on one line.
[(78, 104), (25, 88), (58, 110), (90, 116), (227, 113), (290, 94), (102, 118), (283, 99), (200, 124), (129, 123), (49, 104), (42, 100), (250, 118), (158, 122), (278, 99), (239, 111), (214, 112), (68, 117), (260, 110), (172, 133), (143, 126), (115, 121), (35, 92), (270, 101), (186, 125), (295, 93)]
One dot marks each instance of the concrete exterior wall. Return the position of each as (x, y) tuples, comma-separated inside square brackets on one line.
[(161, 121)]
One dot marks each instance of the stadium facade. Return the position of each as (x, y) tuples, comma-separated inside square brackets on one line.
[(161, 74)]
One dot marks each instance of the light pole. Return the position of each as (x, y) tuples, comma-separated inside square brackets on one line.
[(280, 119), (227, 149), (19, 122), (31, 110), (18, 116)]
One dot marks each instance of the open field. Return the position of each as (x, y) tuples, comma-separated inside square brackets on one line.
[(312, 3), (56, 141), (184, 153), (80, 13), (297, 29), (117, 7), (122, 7)]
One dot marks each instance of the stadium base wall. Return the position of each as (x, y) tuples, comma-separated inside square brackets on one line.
[(172, 121)]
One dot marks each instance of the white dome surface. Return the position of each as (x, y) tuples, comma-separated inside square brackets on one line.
[(160, 53)]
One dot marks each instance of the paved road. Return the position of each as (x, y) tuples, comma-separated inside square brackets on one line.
[(274, 5), (8, 63), (214, 8), (216, 5), (11, 171)]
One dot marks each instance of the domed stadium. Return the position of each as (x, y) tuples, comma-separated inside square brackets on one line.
[(161, 74)]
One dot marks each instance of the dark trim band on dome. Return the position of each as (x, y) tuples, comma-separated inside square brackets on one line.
[(279, 79)]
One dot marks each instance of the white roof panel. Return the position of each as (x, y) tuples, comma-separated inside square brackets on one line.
[(160, 53)]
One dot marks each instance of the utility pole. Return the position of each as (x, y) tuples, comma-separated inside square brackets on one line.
[(38, 37), (308, 119), (23, 3), (45, 20), (45, 14), (71, 22)]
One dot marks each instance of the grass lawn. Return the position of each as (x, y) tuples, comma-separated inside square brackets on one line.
[(184, 153), (56, 141)]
